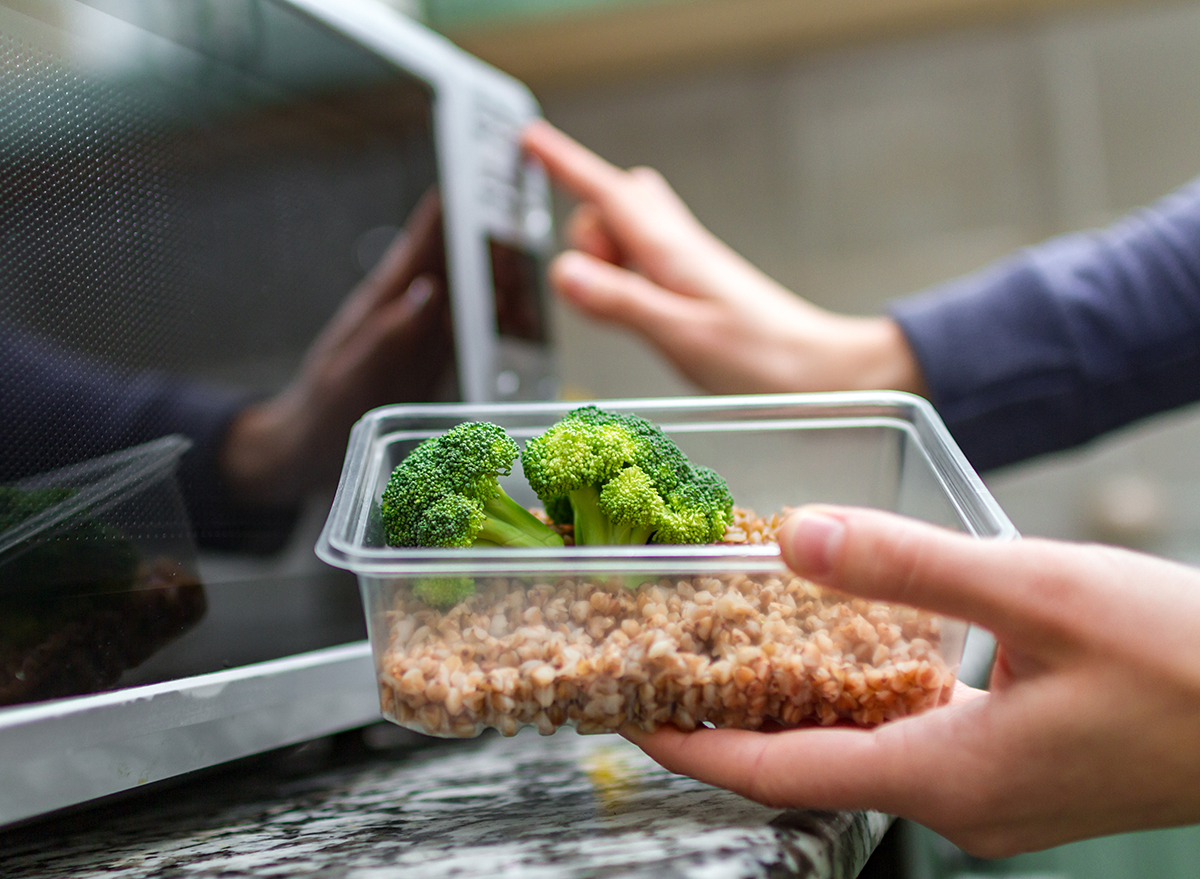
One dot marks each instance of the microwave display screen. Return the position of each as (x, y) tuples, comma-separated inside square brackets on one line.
[(516, 277)]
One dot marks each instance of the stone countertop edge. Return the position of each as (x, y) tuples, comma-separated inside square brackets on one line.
[(564, 806)]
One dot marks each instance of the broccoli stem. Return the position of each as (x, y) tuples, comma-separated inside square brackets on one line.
[(507, 523), (594, 528), (631, 535)]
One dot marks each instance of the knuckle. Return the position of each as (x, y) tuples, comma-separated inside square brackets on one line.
[(762, 785), (764, 788), (901, 559), (1061, 578), (647, 174)]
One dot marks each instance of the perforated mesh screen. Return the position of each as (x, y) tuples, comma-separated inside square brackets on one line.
[(92, 233), (186, 190)]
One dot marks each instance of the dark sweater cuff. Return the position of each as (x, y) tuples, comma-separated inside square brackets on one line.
[(991, 349), (204, 413)]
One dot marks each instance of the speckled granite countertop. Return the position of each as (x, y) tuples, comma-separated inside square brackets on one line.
[(563, 806)]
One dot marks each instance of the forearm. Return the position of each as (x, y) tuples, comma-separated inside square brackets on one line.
[(64, 408), (806, 348), (1067, 340), (260, 459)]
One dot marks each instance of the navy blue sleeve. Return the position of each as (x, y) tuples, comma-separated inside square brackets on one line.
[(62, 408), (1066, 340)]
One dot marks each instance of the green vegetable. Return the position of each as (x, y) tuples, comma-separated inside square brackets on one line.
[(447, 493), (443, 592), (621, 480), (17, 505), (82, 555)]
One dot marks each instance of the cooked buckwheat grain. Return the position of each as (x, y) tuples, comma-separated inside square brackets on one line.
[(732, 650)]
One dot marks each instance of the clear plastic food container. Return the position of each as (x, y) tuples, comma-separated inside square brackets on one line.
[(97, 571), (595, 637)]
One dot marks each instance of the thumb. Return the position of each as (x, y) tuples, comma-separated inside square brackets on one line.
[(1014, 588)]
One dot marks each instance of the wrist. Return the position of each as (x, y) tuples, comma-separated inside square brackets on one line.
[(810, 349), (819, 350), (881, 358), (257, 458)]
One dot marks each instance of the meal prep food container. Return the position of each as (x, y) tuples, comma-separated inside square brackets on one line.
[(98, 580), (594, 637)]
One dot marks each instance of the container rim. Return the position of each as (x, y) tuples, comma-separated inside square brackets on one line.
[(120, 473), (980, 513)]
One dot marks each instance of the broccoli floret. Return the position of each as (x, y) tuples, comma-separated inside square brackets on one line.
[(619, 479), (447, 493), (17, 505), (443, 592)]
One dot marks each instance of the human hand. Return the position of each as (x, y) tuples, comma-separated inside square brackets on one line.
[(642, 260), (1091, 723), (389, 342)]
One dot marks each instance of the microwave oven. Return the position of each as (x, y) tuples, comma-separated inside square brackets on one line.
[(187, 192)]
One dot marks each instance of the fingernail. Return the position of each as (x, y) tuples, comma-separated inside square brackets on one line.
[(810, 541), (419, 291), (572, 268)]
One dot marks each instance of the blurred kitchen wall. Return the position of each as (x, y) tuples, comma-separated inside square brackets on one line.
[(860, 173)]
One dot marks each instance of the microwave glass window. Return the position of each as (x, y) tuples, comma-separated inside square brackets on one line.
[(188, 191)]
